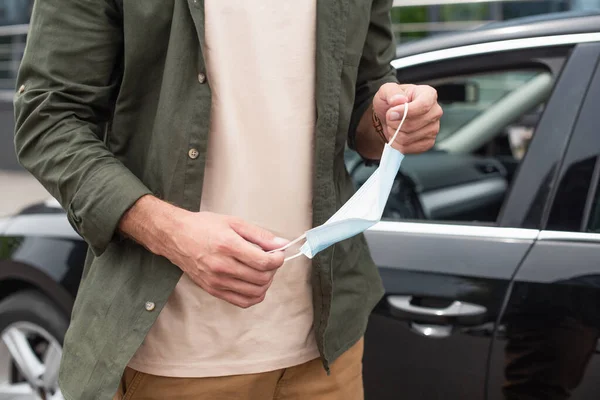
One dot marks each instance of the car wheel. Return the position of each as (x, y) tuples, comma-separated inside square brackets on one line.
[(32, 330)]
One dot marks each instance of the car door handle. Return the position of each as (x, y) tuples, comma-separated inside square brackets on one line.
[(454, 310)]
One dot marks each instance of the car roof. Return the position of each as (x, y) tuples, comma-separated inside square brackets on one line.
[(553, 24)]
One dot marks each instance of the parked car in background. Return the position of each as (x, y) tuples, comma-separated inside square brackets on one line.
[(489, 249)]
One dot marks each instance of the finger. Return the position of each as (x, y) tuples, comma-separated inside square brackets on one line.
[(412, 146), (394, 115), (246, 289), (405, 140), (235, 298), (423, 100), (389, 95), (417, 110), (257, 235), (416, 122), (247, 253), (232, 268), (421, 146)]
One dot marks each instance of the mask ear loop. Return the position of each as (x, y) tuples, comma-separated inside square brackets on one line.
[(303, 236), (393, 139), (290, 244), (298, 254)]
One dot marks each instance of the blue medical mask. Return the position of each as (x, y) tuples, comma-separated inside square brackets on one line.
[(363, 210)]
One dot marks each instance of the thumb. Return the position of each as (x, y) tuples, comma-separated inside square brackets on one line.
[(257, 235), (389, 95)]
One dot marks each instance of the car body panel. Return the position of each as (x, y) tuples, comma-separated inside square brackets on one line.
[(4, 224), (551, 326), (440, 266), (42, 251), (548, 342), (495, 47), (437, 265), (459, 249), (522, 28), (44, 225)]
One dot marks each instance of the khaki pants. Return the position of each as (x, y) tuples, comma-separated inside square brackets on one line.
[(307, 381)]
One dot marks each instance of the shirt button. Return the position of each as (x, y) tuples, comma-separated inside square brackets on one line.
[(193, 154), (150, 306), (196, 3), (21, 89), (201, 77)]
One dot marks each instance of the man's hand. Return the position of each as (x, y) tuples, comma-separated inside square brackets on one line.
[(422, 122), (225, 256)]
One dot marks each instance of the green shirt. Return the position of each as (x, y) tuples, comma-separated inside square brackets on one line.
[(110, 107)]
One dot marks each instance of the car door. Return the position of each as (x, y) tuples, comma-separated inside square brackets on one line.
[(547, 342), (446, 280)]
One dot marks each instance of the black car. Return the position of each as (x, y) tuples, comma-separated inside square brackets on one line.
[(490, 245)]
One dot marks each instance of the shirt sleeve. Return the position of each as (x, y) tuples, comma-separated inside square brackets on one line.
[(374, 69), (67, 81)]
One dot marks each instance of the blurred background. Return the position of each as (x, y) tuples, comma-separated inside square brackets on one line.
[(413, 19)]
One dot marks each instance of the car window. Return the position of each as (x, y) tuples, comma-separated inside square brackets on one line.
[(575, 206), (489, 120), (569, 204), (480, 93)]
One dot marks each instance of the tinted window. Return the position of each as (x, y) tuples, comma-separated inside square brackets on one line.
[(575, 206), (569, 206)]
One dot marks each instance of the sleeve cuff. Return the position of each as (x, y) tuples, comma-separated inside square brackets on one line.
[(362, 103), (99, 204)]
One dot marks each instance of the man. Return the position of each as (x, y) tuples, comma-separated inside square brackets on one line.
[(186, 139)]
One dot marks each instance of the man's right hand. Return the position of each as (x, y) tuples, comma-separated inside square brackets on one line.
[(224, 255)]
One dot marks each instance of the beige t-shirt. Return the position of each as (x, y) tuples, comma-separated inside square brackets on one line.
[(261, 67)]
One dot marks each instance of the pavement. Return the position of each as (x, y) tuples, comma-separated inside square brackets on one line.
[(19, 189)]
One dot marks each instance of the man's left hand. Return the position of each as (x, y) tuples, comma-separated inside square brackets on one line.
[(422, 122)]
